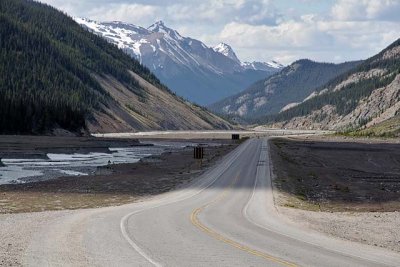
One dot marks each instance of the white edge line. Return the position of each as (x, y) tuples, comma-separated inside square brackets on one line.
[(124, 219), (133, 244)]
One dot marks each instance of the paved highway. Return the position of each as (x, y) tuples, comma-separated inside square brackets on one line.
[(225, 218)]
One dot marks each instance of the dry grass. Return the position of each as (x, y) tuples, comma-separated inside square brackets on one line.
[(15, 202)]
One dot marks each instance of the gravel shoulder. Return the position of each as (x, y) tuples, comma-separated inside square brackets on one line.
[(18, 229), (379, 229)]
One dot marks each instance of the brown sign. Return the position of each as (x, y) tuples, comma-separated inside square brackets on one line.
[(198, 152), (235, 136)]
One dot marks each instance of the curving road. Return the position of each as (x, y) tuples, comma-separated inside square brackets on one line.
[(225, 218)]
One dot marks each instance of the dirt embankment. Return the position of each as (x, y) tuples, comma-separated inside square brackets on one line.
[(348, 188), (110, 185), (338, 176)]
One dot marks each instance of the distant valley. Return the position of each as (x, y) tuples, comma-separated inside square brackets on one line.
[(361, 97)]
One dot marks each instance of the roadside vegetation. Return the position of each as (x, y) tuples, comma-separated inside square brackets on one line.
[(386, 129)]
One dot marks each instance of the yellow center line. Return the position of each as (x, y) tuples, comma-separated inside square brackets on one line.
[(196, 222)]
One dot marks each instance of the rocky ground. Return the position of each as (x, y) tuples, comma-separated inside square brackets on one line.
[(345, 187), (338, 176), (17, 230), (372, 228)]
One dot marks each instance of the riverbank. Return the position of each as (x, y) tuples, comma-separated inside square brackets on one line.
[(114, 184), (37, 147)]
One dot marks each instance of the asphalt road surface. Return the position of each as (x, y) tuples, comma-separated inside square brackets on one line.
[(225, 218)]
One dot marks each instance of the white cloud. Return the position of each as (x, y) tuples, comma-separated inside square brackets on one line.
[(104, 10), (224, 11), (143, 15), (290, 34), (366, 10), (283, 30), (311, 37)]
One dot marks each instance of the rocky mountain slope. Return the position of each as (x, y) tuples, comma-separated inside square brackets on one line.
[(56, 75), (366, 96), (189, 67), (280, 91)]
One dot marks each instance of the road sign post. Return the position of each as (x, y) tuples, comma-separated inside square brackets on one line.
[(198, 153)]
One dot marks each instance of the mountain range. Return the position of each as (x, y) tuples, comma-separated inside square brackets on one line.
[(366, 97), (281, 90), (187, 66), (57, 76)]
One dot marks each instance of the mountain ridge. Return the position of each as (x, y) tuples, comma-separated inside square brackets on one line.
[(287, 87), (366, 96)]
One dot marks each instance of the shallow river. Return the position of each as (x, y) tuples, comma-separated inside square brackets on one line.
[(57, 165)]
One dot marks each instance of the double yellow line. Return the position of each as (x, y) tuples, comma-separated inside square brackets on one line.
[(195, 221)]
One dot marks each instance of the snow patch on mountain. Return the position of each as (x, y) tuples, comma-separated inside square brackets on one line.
[(262, 65), (125, 36), (227, 51)]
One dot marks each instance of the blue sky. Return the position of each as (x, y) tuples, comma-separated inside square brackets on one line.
[(285, 30)]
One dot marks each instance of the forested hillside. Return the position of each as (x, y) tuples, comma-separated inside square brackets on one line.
[(53, 74), (288, 87), (365, 96)]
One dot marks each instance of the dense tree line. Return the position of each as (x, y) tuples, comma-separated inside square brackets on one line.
[(47, 63)]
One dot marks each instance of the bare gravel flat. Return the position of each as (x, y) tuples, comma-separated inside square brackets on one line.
[(373, 228), (18, 229)]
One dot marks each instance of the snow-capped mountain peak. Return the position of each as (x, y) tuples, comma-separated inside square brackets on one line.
[(227, 51), (160, 27), (157, 26), (148, 45), (160, 23), (185, 64)]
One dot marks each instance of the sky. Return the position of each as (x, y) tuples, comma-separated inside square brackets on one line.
[(263, 30)]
